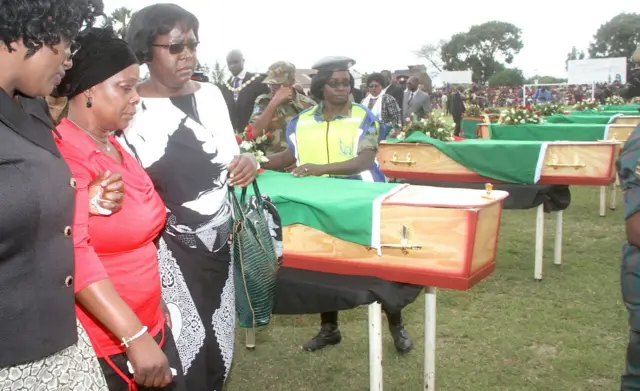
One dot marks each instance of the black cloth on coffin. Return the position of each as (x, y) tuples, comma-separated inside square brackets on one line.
[(554, 197), (309, 292)]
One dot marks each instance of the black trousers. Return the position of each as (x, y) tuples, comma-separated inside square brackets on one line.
[(458, 121), (116, 383)]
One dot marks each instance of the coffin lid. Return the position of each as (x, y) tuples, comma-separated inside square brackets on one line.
[(443, 197)]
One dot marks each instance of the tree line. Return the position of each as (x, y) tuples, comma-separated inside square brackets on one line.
[(489, 48)]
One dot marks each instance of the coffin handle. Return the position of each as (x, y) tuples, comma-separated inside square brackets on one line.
[(555, 164), (409, 162)]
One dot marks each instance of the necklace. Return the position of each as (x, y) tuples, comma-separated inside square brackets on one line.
[(106, 146), (241, 86)]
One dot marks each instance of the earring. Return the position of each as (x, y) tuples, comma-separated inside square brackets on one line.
[(89, 103)]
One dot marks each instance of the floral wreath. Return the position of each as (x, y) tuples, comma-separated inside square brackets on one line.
[(258, 146)]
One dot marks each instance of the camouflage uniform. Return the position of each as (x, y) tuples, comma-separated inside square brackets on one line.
[(279, 73), (629, 172)]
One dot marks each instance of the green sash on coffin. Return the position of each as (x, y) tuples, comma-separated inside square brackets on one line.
[(627, 107), (548, 132), (608, 112), (506, 161), (342, 208), (468, 127), (578, 119)]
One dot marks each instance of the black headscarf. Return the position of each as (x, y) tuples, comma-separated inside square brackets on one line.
[(101, 55)]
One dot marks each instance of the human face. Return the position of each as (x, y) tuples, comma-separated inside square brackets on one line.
[(174, 57), (287, 84), (115, 99), (337, 89), (44, 70), (375, 88), (412, 84), (235, 63)]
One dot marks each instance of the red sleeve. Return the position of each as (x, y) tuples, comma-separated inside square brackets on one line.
[(88, 267)]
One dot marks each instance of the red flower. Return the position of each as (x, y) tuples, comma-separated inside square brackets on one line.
[(238, 139), (249, 136), (268, 135), (248, 129)]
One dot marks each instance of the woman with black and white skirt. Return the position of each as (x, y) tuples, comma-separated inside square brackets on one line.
[(183, 137)]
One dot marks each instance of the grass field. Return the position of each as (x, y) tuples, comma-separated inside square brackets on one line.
[(509, 333)]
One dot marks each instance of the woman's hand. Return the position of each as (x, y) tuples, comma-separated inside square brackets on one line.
[(110, 190), (150, 365), (308, 170), (242, 170)]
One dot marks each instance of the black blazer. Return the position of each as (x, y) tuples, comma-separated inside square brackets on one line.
[(357, 95), (397, 93), (240, 111), (37, 198)]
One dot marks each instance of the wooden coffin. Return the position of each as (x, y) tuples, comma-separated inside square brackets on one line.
[(565, 163), (627, 120), (454, 231), (617, 131)]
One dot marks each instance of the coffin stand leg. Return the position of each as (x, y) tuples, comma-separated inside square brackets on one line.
[(603, 200), (375, 346), (250, 338), (557, 246), (430, 339), (537, 272), (614, 187)]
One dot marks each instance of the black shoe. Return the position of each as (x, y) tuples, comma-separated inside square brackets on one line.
[(329, 335), (401, 339)]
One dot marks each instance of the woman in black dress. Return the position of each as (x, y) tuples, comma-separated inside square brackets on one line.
[(183, 137)]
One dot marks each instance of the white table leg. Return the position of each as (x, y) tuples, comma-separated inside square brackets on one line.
[(557, 246), (375, 346), (430, 339), (603, 200), (537, 272)]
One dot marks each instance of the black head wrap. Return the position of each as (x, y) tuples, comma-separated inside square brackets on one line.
[(101, 55)]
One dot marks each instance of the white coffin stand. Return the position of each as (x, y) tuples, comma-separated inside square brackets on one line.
[(375, 343)]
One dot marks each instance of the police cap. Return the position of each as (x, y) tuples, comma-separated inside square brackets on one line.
[(334, 63)]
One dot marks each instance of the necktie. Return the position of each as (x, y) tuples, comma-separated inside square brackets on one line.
[(410, 98), (236, 82)]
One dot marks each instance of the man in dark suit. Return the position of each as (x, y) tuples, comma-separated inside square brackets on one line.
[(241, 90), (393, 89), (457, 109)]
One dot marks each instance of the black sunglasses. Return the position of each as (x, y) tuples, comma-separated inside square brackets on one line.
[(73, 49), (177, 48)]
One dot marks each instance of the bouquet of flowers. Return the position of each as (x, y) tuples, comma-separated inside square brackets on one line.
[(520, 116), (473, 111), (432, 126), (547, 109), (589, 104), (636, 99), (491, 110), (249, 143), (614, 100)]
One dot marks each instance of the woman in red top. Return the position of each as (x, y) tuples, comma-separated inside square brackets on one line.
[(116, 280)]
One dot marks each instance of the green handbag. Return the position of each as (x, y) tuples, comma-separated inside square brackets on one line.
[(254, 234)]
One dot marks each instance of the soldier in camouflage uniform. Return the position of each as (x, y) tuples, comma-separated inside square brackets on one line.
[(272, 112), (629, 172)]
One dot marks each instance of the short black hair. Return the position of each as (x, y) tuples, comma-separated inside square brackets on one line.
[(45, 22), (377, 77), (155, 20), (320, 79)]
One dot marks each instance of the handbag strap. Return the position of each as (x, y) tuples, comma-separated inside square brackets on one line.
[(256, 192)]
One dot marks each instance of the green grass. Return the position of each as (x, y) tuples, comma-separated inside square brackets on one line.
[(509, 333)]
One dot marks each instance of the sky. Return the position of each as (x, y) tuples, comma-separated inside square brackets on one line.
[(384, 35)]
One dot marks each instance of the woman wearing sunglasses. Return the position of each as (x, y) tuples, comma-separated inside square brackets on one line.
[(183, 137), (340, 139)]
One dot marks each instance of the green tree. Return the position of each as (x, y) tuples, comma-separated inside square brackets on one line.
[(574, 54), (484, 49), (119, 21), (509, 77), (619, 37), (545, 80)]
